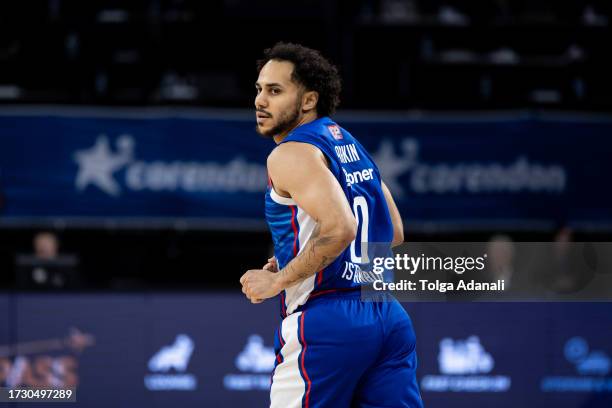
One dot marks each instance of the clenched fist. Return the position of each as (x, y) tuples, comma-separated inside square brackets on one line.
[(260, 284)]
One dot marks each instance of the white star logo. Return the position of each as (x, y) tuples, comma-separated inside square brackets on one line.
[(98, 163), (392, 166)]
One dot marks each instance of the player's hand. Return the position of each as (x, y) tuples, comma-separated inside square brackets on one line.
[(272, 265), (259, 284)]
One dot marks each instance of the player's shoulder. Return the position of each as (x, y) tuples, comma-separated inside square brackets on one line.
[(290, 162), (291, 153)]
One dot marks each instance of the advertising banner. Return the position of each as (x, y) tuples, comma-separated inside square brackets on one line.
[(212, 350), (522, 172)]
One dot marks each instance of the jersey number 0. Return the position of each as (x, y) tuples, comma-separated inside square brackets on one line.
[(360, 210)]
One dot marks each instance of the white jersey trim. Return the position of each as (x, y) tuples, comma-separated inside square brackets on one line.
[(298, 294), (278, 199), (288, 386)]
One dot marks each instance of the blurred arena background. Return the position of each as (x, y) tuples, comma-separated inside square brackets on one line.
[(132, 182)]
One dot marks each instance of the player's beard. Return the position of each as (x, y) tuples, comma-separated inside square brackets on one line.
[(286, 122)]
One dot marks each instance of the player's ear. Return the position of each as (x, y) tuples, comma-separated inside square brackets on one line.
[(309, 100)]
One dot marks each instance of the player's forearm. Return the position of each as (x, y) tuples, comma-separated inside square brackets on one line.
[(396, 218), (324, 245)]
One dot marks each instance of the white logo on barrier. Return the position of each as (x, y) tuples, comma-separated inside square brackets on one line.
[(587, 363), (592, 366), (464, 357), (521, 175), (254, 358), (99, 165), (463, 364), (392, 166), (173, 357)]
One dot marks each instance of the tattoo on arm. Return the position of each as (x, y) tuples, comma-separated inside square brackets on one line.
[(320, 251)]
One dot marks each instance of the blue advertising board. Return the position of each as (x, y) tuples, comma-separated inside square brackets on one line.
[(519, 171), (215, 349)]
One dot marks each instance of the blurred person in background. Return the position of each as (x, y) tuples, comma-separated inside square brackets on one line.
[(565, 268), (570, 272), (46, 246), (500, 261), (325, 198), (46, 268)]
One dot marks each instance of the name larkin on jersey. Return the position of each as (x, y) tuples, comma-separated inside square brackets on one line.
[(347, 153)]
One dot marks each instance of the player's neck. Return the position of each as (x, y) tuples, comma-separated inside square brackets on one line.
[(307, 118)]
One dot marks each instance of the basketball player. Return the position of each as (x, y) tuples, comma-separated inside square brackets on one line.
[(325, 197)]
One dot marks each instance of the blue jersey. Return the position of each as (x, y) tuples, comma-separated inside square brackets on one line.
[(291, 226)]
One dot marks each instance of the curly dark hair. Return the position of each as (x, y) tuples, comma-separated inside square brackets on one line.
[(311, 70)]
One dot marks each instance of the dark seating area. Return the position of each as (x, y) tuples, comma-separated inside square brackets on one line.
[(393, 54)]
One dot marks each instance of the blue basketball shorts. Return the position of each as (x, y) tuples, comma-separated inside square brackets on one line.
[(339, 351)]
